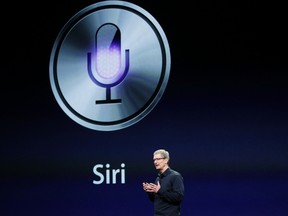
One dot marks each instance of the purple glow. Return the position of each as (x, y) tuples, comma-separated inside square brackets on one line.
[(108, 62)]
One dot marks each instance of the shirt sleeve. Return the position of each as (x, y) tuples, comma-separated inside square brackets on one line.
[(151, 196)]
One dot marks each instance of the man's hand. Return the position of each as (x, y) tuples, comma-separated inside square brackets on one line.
[(151, 187)]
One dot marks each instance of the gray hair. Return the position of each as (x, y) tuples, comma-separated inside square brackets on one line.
[(163, 152)]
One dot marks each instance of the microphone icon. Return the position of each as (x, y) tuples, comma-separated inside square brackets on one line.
[(106, 61), (107, 88)]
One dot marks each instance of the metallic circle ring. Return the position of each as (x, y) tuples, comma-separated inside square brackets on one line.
[(109, 65)]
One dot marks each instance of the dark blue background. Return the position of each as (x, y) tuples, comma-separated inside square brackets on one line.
[(223, 116)]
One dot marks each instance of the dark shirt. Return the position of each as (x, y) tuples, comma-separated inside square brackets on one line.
[(167, 201)]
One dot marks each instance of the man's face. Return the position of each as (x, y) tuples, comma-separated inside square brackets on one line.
[(159, 161)]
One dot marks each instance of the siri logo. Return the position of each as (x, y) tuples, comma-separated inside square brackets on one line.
[(109, 65)]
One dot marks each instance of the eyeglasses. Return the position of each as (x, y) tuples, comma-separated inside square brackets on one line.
[(157, 159)]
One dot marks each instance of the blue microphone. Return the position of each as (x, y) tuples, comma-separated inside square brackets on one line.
[(107, 71)]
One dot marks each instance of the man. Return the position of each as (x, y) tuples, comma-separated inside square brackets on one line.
[(168, 190)]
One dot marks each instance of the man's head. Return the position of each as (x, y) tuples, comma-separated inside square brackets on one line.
[(161, 160)]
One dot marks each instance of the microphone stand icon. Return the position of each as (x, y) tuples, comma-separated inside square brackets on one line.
[(107, 61)]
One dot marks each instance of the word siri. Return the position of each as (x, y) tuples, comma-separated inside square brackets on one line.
[(108, 175)]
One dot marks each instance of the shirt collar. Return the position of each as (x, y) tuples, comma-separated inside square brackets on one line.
[(165, 173)]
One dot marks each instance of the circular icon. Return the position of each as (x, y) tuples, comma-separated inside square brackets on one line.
[(109, 65)]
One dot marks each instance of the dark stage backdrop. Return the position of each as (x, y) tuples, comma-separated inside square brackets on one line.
[(223, 116)]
